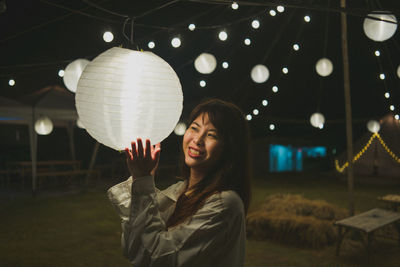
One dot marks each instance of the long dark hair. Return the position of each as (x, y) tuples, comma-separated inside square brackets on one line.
[(232, 172)]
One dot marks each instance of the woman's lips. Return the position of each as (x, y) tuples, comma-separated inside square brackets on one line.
[(194, 152)]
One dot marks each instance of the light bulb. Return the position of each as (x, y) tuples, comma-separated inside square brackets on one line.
[(255, 112), (377, 53), (382, 76), (108, 37), (387, 95), (307, 18), (274, 88), (272, 12), (61, 73), (176, 42), (202, 83), (255, 24), (225, 65), (249, 117), (11, 82), (234, 5), (151, 45), (280, 9), (247, 41), (285, 70), (272, 127), (265, 102), (192, 27), (296, 47), (396, 116), (391, 107)]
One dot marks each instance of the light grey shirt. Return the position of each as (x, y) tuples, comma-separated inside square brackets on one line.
[(214, 236)]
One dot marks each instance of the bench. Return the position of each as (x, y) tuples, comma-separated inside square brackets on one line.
[(367, 222)]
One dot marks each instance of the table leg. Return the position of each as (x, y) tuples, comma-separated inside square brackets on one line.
[(341, 234), (397, 226)]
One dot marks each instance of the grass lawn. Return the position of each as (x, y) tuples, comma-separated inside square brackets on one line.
[(83, 229)]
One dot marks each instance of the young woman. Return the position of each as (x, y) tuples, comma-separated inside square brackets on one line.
[(199, 221)]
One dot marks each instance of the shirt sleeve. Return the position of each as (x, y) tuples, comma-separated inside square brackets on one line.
[(147, 242)]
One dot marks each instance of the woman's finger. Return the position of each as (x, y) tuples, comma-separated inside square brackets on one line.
[(134, 150), (128, 154), (155, 149), (148, 149), (139, 148)]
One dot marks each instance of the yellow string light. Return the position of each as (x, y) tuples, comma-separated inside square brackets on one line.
[(364, 149)]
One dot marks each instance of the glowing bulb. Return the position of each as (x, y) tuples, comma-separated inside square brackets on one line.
[(192, 26), (272, 12), (387, 95), (391, 107), (255, 112), (307, 18), (265, 102), (11, 82), (396, 116), (296, 47), (176, 42), (247, 41), (272, 127), (377, 53), (274, 88), (280, 9), (285, 70), (202, 83), (225, 65), (249, 117), (61, 73), (255, 24), (223, 35), (235, 5), (151, 45), (382, 76), (108, 37)]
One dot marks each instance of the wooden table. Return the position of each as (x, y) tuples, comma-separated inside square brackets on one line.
[(367, 223), (391, 201)]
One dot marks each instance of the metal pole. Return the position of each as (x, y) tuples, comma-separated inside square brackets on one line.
[(347, 98)]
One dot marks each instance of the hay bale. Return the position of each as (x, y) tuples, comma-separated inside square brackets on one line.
[(295, 220)]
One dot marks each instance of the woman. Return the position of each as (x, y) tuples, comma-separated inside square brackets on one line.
[(199, 221)]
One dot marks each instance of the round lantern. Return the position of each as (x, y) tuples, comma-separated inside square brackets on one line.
[(123, 95), (180, 129), (73, 72), (398, 71), (259, 73), (43, 125), (80, 124), (317, 120), (379, 30), (373, 126), (324, 67), (205, 63)]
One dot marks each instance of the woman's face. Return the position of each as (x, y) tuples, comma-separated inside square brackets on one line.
[(202, 145)]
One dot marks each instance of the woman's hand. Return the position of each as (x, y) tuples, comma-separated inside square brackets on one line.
[(142, 161)]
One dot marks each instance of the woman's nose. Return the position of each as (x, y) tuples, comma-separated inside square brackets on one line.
[(199, 139)]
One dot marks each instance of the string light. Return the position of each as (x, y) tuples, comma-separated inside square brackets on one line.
[(272, 127), (362, 151), (274, 88), (391, 107), (249, 117), (285, 70), (377, 53), (307, 18), (396, 116), (255, 24), (387, 95), (176, 42), (382, 76), (108, 37), (255, 112), (203, 83), (296, 47), (280, 9), (225, 65), (234, 5), (272, 12), (247, 41), (192, 26), (265, 102), (151, 45), (61, 73), (222, 35), (11, 82)]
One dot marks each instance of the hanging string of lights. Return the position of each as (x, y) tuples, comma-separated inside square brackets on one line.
[(364, 149)]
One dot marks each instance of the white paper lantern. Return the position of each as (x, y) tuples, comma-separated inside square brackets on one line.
[(317, 120), (205, 63), (373, 126), (180, 129), (73, 72), (259, 73), (43, 125), (324, 67), (398, 71), (378, 30), (125, 94)]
